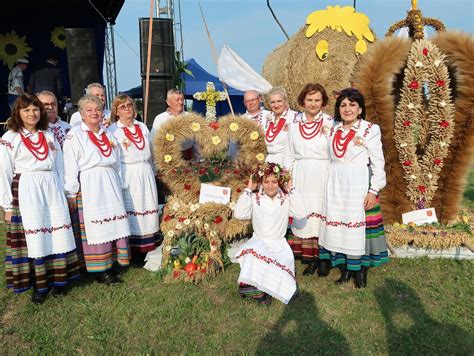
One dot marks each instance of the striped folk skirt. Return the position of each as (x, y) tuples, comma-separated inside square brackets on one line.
[(306, 250), (375, 245), (141, 204), (23, 273), (251, 292), (100, 257)]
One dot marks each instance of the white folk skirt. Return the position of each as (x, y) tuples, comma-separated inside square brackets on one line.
[(45, 214), (269, 266), (141, 198), (344, 228), (105, 218), (309, 178)]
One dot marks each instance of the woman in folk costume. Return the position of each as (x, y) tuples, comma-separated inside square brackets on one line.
[(94, 187), (40, 247), (306, 156), (276, 127), (141, 197), (267, 265), (352, 233)]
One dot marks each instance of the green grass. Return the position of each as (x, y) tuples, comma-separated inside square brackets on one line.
[(410, 307), (468, 197)]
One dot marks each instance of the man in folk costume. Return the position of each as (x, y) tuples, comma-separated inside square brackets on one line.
[(175, 102), (97, 90), (253, 104), (56, 126)]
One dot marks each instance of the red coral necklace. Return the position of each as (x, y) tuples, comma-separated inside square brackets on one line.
[(39, 149), (137, 138), (340, 143), (273, 130), (309, 130), (103, 144)]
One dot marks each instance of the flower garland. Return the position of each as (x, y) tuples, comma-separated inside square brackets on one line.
[(211, 96), (267, 168), (426, 71)]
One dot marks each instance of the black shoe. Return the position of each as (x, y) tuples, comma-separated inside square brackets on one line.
[(107, 278), (117, 269), (38, 298), (265, 300), (361, 277), (346, 276), (311, 269), (59, 291), (324, 268)]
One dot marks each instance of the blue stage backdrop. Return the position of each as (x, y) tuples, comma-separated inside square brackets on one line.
[(34, 29)]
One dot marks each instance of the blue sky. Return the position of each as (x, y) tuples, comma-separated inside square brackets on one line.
[(248, 27)]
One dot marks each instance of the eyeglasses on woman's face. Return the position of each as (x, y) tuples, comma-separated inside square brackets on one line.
[(125, 106)]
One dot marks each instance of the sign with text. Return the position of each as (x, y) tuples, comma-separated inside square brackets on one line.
[(420, 217), (214, 194)]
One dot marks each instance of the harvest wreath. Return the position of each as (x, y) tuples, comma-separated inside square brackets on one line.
[(195, 235)]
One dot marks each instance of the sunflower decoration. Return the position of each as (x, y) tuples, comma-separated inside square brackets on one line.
[(58, 37), (13, 47)]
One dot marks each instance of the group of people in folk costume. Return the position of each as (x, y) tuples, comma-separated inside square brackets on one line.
[(324, 174), (88, 204), (86, 196)]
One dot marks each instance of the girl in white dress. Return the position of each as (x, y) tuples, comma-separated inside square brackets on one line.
[(141, 197), (40, 246), (94, 187), (276, 126), (349, 236), (267, 265), (306, 156)]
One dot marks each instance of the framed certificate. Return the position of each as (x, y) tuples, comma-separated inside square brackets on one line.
[(214, 194)]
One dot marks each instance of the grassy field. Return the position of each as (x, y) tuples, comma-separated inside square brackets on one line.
[(410, 307), (468, 198)]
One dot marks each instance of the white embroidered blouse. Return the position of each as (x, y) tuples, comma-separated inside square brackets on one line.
[(130, 153), (298, 148), (269, 216), (16, 158), (364, 149), (80, 154)]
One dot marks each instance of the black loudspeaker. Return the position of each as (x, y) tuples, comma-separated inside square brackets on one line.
[(81, 60), (156, 97), (162, 47)]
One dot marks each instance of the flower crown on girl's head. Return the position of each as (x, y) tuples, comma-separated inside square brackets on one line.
[(269, 168)]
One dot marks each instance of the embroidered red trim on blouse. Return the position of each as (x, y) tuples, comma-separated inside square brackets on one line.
[(268, 260), (48, 229), (138, 213), (349, 225), (114, 218)]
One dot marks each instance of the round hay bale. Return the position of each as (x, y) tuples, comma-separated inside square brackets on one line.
[(295, 63)]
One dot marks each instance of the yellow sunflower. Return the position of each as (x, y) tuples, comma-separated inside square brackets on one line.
[(12, 47), (58, 37)]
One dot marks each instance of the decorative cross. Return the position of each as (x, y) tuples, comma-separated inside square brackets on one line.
[(211, 96)]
